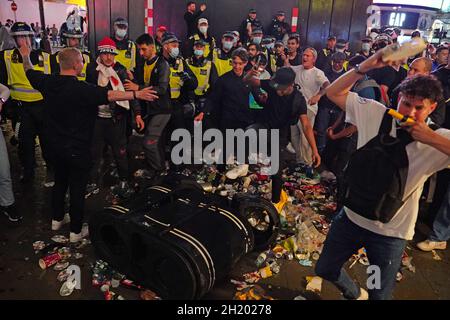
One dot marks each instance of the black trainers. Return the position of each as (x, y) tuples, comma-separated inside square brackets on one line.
[(11, 213)]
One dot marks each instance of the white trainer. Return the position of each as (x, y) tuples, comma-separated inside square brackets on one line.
[(77, 237), (429, 245), (57, 225)]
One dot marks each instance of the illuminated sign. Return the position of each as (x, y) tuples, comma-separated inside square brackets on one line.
[(432, 4)]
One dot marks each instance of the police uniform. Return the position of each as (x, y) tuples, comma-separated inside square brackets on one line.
[(54, 59), (126, 53), (26, 101), (210, 45), (206, 74), (222, 61)]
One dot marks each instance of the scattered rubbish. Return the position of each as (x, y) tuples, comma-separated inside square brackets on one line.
[(49, 261), (252, 293), (314, 284), (149, 295), (436, 256), (61, 265), (38, 245), (78, 256), (60, 239), (306, 263), (407, 263), (67, 288)]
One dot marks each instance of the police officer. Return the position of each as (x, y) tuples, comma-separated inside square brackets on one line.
[(126, 49), (279, 28), (366, 48), (202, 34), (222, 56), (182, 81), (268, 49), (26, 101), (324, 55), (248, 25), (73, 40), (203, 69), (256, 36)]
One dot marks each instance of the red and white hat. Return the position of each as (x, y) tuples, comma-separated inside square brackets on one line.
[(107, 45)]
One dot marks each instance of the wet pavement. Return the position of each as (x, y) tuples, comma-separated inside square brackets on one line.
[(22, 278)]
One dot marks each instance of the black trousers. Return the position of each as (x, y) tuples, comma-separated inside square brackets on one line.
[(31, 125), (337, 154), (155, 141), (113, 133), (71, 172)]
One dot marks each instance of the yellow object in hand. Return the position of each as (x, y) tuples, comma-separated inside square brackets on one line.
[(403, 119)]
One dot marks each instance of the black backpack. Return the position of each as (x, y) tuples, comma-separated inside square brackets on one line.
[(376, 175)]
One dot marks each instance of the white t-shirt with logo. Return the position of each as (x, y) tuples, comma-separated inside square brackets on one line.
[(424, 161), (310, 82)]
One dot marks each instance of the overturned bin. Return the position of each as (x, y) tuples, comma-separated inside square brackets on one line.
[(174, 239)]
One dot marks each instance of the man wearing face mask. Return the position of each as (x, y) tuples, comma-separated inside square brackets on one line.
[(248, 25), (73, 40), (111, 124), (237, 43), (366, 48), (202, 34), (279, 28), (182, 81), (256, 36), (268, 49), (204, 70), (126, 49), (27, 103), (222, 56)]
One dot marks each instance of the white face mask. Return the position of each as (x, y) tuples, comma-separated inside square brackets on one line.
[(121, 33), (227, 45), (174, 53), (203, 29), (340, 50), (365, 47)]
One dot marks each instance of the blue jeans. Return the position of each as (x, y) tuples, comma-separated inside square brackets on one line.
[(6, 190), (441, 224), (326, 117), (345, 239)]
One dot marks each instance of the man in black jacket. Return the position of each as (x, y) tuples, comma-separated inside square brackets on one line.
[(111, 123), (153, 72)]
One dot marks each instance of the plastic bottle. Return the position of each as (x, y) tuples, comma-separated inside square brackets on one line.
[(400, 52)]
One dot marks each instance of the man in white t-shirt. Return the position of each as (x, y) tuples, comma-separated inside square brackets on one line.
[(312, 82), (428, 153)]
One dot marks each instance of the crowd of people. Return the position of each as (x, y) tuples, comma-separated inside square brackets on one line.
[(327, 103)]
